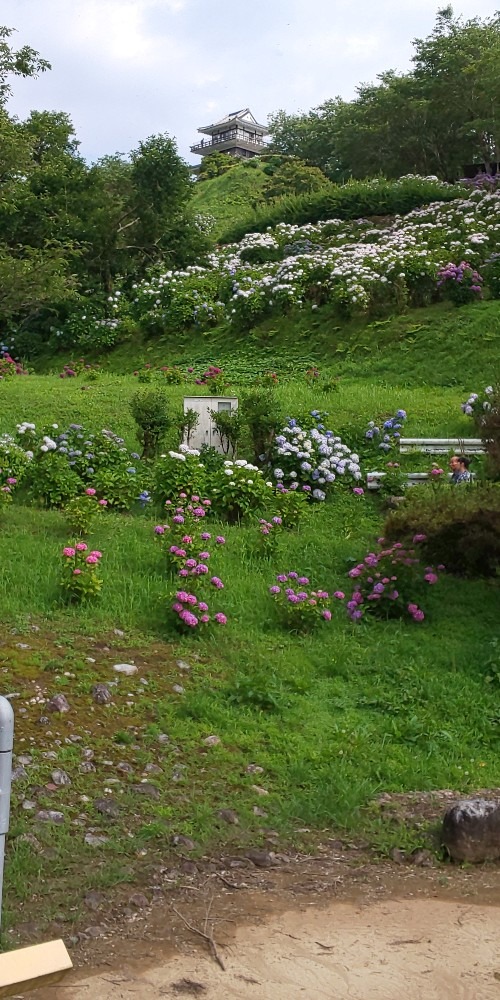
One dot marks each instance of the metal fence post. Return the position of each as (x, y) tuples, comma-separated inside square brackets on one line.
[(6, 747)]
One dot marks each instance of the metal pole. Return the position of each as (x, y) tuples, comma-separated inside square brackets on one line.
[(6, 747)]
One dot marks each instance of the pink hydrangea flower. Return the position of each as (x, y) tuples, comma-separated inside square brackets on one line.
[(68, 551), (81, 547), (90, 492)]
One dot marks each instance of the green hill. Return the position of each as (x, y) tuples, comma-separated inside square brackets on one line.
[(232, 196)]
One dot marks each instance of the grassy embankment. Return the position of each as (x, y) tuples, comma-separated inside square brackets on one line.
[(332, 718)]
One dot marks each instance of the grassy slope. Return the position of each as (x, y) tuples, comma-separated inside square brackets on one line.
[(332, 719), (439, 345), (230, 197)]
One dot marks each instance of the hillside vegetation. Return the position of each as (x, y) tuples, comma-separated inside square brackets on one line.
[(230, 197)]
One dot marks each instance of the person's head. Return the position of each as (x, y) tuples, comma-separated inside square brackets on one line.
[(459, 463)]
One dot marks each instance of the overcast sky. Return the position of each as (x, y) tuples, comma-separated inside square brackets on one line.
[(127, 69)]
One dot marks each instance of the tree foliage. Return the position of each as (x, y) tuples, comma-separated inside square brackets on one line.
[(441, 116)]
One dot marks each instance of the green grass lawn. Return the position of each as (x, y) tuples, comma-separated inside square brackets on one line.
[(333, 718)]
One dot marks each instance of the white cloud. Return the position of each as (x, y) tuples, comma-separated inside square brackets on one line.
[(125, 69)]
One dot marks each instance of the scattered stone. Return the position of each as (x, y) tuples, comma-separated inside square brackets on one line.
[(87, 767), (163, 738), (254, 769), (262, 859), (421, 858), (229, 816), (28, 804), (74, 739), (49, 755), (59, 703), (124, 767), (179, 840), (259, 790), (260, 812), (118, 631), (101, 694), (471, 830), (15, 694), (43, 721), (60, 778), (128, 669), (93, 900), (138, 901), (147, 789), (19, 773), (178, 772), (22, 645), (25, 759), (88, 754), (93, 840), (212, 741), (178, 688), (397, 855), (90, 659), (93, 932), (152, 769), (189, 868), (29, 838), (107, 807), (50, 816), (183, 665)]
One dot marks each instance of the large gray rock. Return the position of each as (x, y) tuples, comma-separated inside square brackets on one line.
[(471, 830)]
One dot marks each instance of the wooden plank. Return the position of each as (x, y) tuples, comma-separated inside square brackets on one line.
[(29, 968)]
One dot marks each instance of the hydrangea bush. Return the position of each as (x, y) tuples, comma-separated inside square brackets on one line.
[(299, 607), (308, 457), (80, 572), (187, 542), (389, 582), (238, 488), (478, 404)]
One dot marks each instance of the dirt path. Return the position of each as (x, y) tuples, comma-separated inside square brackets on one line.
[(430, 948), (387, 935)]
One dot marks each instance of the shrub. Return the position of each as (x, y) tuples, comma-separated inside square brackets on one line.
[(229, 427), (5, 497), (80, 578), (389, 581), (290, 505), (308, 456), (354, 200), (490, 433), (178, 472), (13, 460), (81, 512), (150, 411), (51, 482), (10, 367), (239, 488), (263, 415), (121, 485), (187, 423), (460, 283), (461, 527), (301, 609)]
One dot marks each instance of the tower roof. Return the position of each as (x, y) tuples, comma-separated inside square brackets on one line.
[(244, 117)]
